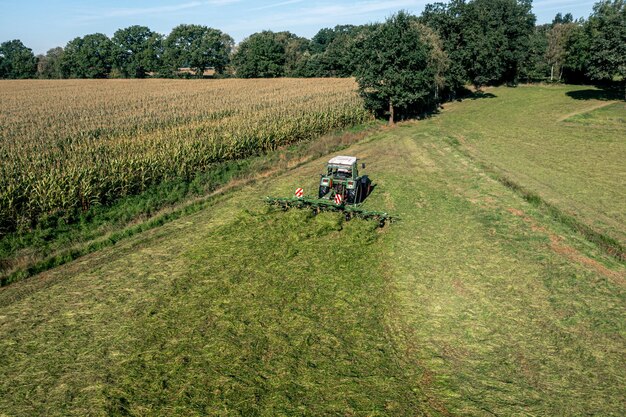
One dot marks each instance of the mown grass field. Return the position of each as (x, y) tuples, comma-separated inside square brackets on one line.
[(478, 302), (569, 151)]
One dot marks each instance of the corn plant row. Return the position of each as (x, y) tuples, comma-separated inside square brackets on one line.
[(66, 146)]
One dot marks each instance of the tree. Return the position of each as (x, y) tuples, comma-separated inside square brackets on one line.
[(49, 65), (16, 60), (401, 66), (88, 57), (262, 55), (495, 36), (577, 51), (487, 41), (556, 49), (197, 47), (333, 51), (138, 50), (562, 20), (295, 49), (535, 67), (607, 56), (445, 20), (339, 56), (324, 37)]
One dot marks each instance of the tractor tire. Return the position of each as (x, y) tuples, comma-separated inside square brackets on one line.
[(323, 191), (352, 195), (365, 187)]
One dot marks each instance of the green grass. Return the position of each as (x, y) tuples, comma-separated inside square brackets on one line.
[(613, 115), (478, 302), (534, 137)]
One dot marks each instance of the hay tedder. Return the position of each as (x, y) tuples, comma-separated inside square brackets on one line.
[(341, 189)]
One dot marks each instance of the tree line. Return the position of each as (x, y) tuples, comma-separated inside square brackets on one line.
[(418, 59)]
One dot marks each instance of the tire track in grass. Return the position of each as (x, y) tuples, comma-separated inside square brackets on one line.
[(558, 245)]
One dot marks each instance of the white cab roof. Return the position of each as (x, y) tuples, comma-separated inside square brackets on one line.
[(343, 160)]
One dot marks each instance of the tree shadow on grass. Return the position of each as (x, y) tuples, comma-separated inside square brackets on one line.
[(432, 109), (477, 95), (467, 94), (602, 93)]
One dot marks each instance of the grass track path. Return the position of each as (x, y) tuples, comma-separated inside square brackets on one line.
[(592, 107)]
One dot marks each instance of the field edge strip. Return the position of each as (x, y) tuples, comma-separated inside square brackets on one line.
[(184, 209), (607, 244)]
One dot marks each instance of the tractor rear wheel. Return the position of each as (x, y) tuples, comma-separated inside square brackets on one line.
[(323, 191), (353, 195), (365, 187)]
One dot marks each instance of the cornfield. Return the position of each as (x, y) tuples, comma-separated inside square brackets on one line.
[(66, 146)]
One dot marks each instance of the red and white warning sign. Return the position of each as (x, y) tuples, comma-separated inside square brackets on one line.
[(338, 199), (299, 192)]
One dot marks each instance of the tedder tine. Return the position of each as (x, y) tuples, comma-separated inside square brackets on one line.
[(319, 205)]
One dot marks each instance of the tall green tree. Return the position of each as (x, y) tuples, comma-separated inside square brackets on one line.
[(445, 20), (556, 48), (401, 66), (295, 49), (563, 20), (49, 65), (197, 47), (577, 53), (339, 55), (324, 37), (91, 56), (16, 60), (332, 51), (261, 55), (495, 39), (607, 56), (535, 66), (138, 50)]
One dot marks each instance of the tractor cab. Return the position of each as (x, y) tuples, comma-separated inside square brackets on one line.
[(342, 167), (342, 178)]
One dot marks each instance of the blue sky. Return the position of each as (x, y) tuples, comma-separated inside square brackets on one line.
[(42, 25)]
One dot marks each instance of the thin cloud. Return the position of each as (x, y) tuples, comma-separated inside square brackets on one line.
[(135, 11), (143, 11), (271, 6), (327, 13)]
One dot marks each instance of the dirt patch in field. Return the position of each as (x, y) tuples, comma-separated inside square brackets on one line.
[(516, 212), (459, 287), (558, 245)]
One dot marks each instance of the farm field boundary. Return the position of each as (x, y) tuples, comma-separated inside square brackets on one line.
[(42, 256), (120, 137)]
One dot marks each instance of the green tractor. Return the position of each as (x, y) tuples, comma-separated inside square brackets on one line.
[(341, 188), (342, 179)]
